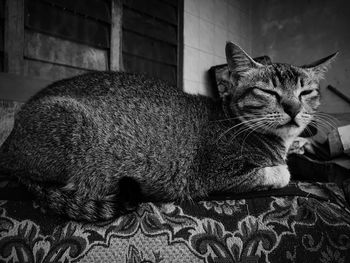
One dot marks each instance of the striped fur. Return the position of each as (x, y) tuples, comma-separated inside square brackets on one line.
[(92, 147)]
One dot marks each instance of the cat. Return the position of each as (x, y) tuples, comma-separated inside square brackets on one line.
[(93, 146)]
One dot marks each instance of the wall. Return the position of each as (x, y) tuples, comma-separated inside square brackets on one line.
[(299, 32), (208, 24)]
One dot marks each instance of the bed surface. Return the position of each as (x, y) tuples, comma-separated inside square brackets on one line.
[(304, 222)]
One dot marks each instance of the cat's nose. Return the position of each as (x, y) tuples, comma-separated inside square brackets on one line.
[(292, 109)]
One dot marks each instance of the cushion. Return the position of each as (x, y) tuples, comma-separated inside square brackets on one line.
[(304, 222)]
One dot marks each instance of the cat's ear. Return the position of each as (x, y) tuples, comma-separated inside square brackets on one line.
[(239, 62), (320, 67)]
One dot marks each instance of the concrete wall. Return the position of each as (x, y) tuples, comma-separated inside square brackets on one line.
[(301, 31), (208, 24)]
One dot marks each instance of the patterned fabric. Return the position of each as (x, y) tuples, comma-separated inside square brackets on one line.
[(301, 223)]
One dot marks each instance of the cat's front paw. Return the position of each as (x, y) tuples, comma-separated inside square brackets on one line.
[(276, 176)]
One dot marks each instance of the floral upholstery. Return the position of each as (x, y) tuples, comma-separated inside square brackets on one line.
[(303, 222)]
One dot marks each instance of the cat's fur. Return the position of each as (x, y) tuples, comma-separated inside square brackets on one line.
[(90, 146)]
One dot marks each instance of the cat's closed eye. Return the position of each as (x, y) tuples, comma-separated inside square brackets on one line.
[(308, 92), (269, 92)]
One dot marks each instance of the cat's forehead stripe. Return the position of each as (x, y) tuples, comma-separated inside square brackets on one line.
[(280, 74), (285, 73)]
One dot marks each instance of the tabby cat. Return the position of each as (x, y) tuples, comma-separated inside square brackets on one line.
[(93, 146)]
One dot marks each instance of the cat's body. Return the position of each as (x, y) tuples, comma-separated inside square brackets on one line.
[(92, 145)]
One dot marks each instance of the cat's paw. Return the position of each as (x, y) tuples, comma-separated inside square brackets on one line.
[(276, 176)]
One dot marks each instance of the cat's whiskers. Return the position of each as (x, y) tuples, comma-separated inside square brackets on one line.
[(324, 122), (321, 121), (246, 128), (250, 125), (319, 126), (254, 128), (268, 125), (243, 129), (245, 122), (329, 117), (308, 131), (330, 120), (271, 121), (305, 116), (305, 119)]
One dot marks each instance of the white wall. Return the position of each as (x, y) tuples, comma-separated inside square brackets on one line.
[(208, 24)]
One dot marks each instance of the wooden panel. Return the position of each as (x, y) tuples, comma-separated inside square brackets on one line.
[(49, 71), (116, 61), (154, 8), (98, 9), (2, 8), (161, 71), (180, 46), (46, 48), (136, 22), (44, 17), (2, 43), (152, 38), (148, 48), (2, 33), (14, 36), (18, 88), (2, 61), (171, 2)]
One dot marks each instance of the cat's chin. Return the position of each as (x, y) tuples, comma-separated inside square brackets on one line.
[(286, 130), (289, 131), (290, 125)]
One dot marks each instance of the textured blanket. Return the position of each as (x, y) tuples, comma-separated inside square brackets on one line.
[(301, 223)]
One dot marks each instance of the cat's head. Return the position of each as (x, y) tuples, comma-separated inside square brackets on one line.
[(274, 98)]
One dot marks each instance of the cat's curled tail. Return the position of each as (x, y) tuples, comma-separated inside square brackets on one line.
[(70, 203), (63, 201), (73, 205)]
